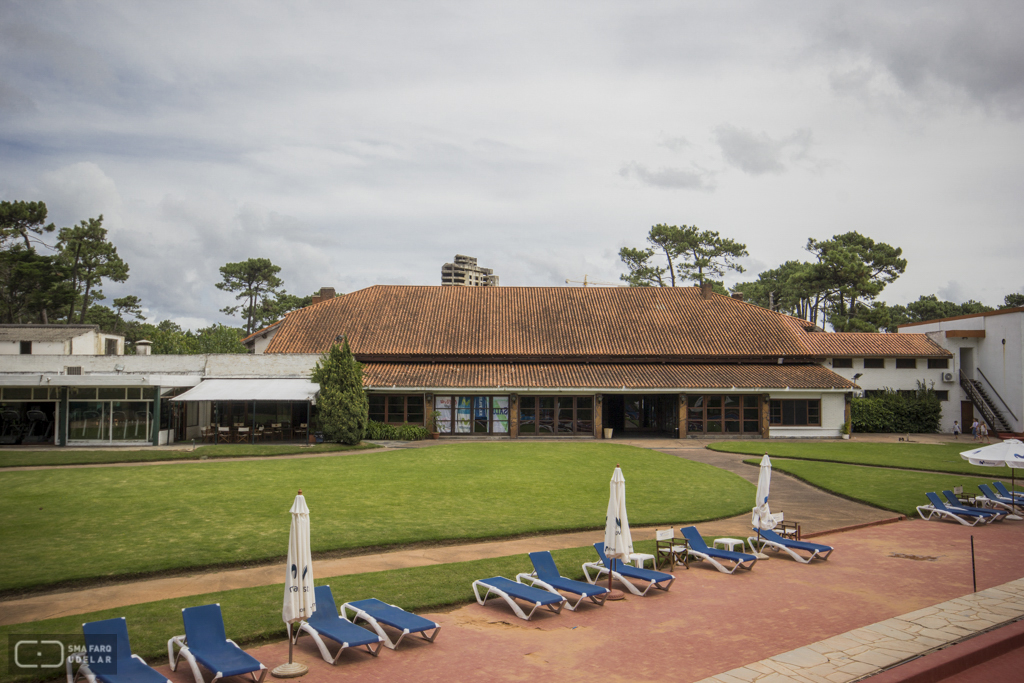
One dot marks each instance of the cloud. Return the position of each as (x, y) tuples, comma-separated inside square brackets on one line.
[(952, 291), (79, 191), (757, 153), (667, 178)]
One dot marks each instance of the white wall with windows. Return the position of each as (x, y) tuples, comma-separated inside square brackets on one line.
[(806, 415)]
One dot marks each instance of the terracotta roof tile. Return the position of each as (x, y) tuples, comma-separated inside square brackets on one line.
[(599, 376), (872, 344), (540, 323)]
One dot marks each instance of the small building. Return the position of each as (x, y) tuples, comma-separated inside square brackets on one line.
[(985, 373), (59, 340), (466, 273)]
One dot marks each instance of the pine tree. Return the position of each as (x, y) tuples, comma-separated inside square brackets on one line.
[(342, 406)]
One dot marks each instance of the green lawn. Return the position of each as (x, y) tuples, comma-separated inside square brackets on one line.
[(14, 457), (883, 488), (68, 525), (932, 458), (253, 615)]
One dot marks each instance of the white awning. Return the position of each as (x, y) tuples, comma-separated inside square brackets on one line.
[(251, 390)]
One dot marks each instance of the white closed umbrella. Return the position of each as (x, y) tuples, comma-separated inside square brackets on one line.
[(299, 601), (1009, 453), (618, 542), (762, 518)]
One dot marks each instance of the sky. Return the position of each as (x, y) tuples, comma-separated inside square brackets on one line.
[(362, 143)]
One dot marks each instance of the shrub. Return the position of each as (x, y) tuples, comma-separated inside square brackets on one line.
[(342, 407), (378, 431), (896, 412)]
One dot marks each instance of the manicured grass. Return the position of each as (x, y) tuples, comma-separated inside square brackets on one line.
[(22, 458), (927, 457), (884, 488), (253, 615), (67, 525)]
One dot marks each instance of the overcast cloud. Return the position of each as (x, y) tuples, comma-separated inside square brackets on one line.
[(363, 143)]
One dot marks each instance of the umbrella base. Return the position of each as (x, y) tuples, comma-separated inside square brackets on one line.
[(615, 594), (290, 670)]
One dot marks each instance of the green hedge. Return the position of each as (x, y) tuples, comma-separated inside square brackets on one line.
[(378, 431), (893, 412)]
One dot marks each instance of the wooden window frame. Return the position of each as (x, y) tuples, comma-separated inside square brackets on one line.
[(938, 363), (842, 363), (777, 412), (906, 364), (874, 364), (405, 408)]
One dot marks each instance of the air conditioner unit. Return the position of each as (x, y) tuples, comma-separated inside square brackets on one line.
[(947, 377)]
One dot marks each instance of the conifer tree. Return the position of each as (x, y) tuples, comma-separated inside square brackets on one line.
[(342, 405)]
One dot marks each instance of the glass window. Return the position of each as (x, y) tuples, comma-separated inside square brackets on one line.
[(875, 363), (133, 393), (443, 405), (938, 363), (481, 414), (842, 362), (88, 421), (18, 394), (906, 363), (799, 412), (499, 414), (546, 415), (585, 415), (396, 409), (414, 409), (111, 393), (463, 414), (377, 407), (130, 420), (527, 414), (81, 394), (942, 395)]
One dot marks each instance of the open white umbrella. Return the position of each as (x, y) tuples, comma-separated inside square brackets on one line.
[(762, 518), (1009, 453), (299, 602), (618, 542)]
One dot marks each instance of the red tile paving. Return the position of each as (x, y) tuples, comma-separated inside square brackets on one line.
[(709, 622)]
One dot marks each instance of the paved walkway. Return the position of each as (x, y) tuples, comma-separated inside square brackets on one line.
[(827, 622)]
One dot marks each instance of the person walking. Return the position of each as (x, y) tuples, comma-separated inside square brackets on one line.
[(956, 429), (974, 430), (983, 431)]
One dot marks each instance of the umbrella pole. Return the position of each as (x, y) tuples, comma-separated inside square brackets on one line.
[(291, 669)]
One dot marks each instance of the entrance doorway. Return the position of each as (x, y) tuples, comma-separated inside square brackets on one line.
[(638, 414)]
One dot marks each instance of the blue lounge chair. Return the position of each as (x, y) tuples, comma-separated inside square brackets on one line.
[(374, 612), (1015, 495), (206, 643), (1008, 504), (123, 667), (953, 503), (624, 571), (938, 510), (770, 539), (510, 591), (325, 623), (696, 547), (545, 574)]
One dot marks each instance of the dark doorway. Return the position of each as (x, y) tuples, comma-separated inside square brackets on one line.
[(637, 414), (966, 416)]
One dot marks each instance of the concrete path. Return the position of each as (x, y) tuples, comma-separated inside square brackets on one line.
[(887, 592)]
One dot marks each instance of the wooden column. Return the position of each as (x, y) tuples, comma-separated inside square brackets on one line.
[(513, 416), (683, 403), (765, 415), (848, 413), (598, 416)]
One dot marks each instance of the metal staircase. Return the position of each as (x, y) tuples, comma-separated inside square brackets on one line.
[(986, 406)]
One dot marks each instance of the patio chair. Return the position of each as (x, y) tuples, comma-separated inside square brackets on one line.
[(125, 667), (325, 623), (545, 574), (205, 643), (223, 434), (510, 591), (242, 435), (938, 510), (1015, 495), (770, 539), (955, 505), (700, 550), (1008, 504), (667, 551), (374, 612), (623, 572)]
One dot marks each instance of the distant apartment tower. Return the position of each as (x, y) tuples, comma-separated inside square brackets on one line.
[(466, 273)]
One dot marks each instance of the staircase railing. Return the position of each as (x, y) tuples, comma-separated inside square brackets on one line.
[(979, 401), (1008, 409)]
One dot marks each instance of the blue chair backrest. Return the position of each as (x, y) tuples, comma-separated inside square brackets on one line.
[(544, 565), (326, 609), (204, 625), (693, 537), (1002, 489), (599, 547), (936, 501), (951, 497), (97, 638), (987, 492)]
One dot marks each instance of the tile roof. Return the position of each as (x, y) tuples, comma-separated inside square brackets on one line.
[(599, 376), (986, 314), (872, 344), (44, 333), (540, 323)]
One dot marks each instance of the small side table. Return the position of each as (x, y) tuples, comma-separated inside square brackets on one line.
[(729, 543), (638, 559)]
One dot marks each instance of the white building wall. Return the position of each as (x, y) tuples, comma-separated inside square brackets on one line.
[(833, 416)]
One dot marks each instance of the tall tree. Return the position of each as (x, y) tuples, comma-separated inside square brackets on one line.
[(1014, 300), (254, 283), (30, 284), (89, 258), (275, 309), (342, 406), (23, 220), (690, 254)]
